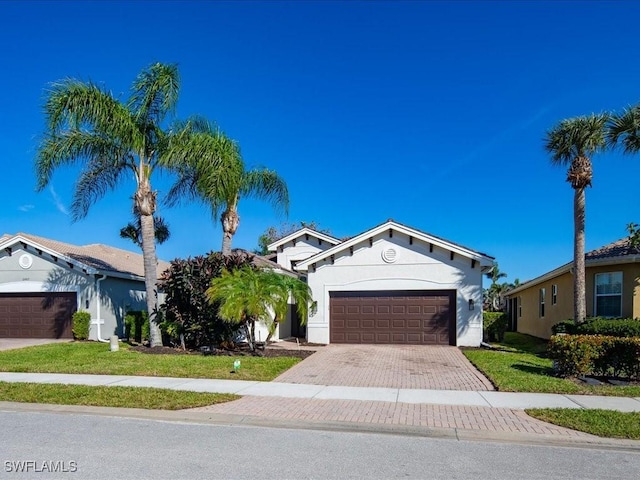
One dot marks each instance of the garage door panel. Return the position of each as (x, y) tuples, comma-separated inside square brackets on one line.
[(37, 315), (424, 317)]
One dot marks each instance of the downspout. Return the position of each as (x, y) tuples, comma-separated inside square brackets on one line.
[(98, 280)]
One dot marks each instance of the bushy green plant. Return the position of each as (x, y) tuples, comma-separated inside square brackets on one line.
[(614, 327), (136, 324), (81, 324), (596, 355), (186, 312), (565, 326), (494, 324)]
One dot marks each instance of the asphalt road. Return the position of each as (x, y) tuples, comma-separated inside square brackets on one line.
[(34, 445)]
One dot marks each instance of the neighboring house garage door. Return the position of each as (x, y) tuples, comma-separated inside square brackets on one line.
[(393, 317), (36, 315)]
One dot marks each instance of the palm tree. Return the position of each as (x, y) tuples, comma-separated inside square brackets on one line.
[(86, 124), (219, 179), (247, 296), (570, 144), (494, 274), (133, 231)]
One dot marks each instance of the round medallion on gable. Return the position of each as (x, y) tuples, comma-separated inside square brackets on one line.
[(25, 261), (389, 255)]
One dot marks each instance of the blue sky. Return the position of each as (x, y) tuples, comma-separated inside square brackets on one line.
[(431, 113)]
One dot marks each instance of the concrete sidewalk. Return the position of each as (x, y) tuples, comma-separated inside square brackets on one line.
[(487, 399)]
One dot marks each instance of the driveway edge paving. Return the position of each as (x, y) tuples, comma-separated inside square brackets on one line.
[(207, 418)]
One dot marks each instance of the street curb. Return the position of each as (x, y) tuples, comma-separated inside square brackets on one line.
[(207, 418)]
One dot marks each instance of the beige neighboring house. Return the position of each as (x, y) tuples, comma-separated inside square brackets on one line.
[(43, 282), (612, 288)]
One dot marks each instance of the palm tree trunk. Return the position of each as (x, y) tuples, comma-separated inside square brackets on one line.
[(579, 296), (230, 221), (145, 200)]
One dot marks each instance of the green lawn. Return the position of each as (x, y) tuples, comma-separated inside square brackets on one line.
[(604, 423), (95, 358), (520, 365), (131, 397)]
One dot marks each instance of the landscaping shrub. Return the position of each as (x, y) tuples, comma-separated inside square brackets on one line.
[(494, 324), (565, 326), (81, 322), (186, 312), (596, 355), (613, 327), (136, 324)]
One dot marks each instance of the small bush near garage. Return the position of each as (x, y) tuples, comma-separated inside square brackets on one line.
[(494, 324), (612, 327), (136, 324), (187, 316), (598, 355), (81, 323)]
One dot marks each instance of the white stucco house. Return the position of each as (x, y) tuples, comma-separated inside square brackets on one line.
[(391, 284), (43, 282)]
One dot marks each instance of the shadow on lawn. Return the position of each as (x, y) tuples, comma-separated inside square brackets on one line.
[(534, 369)]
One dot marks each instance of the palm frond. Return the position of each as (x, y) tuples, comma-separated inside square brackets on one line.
[(94, 182), (577, 137), (624, 130), (73, 105), (155, 92), (74, 146), (266, 185)]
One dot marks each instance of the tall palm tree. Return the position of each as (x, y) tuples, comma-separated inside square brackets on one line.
[(571, 143), (219, 179), (494, 274), (111, 139)]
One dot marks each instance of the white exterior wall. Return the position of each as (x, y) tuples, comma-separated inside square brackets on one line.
[(415, 268), (302, 250)]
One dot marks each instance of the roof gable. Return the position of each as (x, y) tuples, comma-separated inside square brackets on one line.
[(303, 232), (94, 258), (394, 227)]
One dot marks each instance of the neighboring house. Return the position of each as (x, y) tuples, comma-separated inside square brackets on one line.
[(391, 284), (612, 290), (43, 281)]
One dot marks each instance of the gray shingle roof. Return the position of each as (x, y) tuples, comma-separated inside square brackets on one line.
[(99, 256)]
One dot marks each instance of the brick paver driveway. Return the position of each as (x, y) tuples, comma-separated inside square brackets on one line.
[(390, 366)]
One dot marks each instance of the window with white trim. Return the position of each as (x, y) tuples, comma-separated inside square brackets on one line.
[(519, 307), (543, 292), (608, 294), (554, 294)]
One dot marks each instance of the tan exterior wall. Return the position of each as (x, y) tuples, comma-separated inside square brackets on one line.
[(528, 313)]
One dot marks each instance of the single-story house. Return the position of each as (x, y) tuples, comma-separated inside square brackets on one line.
[(612, 290), (43, 282), (391, 284)]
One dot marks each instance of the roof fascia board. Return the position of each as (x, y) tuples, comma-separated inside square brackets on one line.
[(298, 233), (598, 262), (20, 239), (482, 259)]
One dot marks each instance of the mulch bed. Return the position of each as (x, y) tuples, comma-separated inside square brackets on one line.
[(238, 352)]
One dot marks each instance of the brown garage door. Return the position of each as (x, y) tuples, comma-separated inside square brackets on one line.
[(393, 317), (36, 315)]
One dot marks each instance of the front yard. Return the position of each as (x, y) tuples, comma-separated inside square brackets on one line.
[(519, 364), (95, 358)]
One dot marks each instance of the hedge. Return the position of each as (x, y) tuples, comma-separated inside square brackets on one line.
[(597, 355), (494, 324), (81, 322), (136, 324), (613, 327)]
